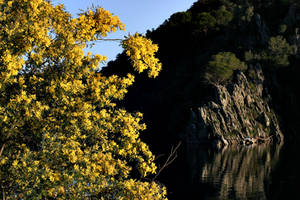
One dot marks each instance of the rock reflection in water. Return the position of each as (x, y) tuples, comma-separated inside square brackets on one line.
[(237, 172)]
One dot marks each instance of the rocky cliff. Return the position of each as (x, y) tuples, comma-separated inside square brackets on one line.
[(238, 113)]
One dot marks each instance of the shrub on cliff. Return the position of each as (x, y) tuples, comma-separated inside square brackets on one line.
[(275, 55), (221, 66)]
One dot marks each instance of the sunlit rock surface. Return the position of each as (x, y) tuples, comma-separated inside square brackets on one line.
[(237, 112)]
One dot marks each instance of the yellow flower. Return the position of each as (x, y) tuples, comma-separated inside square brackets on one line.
[(61, 190), (15, 163), (5, 118), (51, 178)]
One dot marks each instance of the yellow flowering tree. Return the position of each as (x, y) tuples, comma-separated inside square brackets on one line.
[(62, 134)]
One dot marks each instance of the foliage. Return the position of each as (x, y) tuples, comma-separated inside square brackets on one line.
[(221, 67), (205, 6), (243, 13), (200, 19), (180, 18), (223, 16), (62, 134), (205, 21), (277, 54), (142, 52), (279, 49)]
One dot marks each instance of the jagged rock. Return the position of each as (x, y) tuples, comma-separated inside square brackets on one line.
[(237, 113)]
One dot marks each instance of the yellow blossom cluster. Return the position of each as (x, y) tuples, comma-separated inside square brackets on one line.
[(142, 50), (62, 135), (97, 23)]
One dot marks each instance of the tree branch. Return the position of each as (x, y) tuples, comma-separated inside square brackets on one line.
[(113, 39), (170, 159)]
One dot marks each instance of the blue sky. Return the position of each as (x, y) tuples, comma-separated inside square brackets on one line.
[(138, 16)]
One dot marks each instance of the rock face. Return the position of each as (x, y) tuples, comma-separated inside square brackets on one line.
[(237, 114)]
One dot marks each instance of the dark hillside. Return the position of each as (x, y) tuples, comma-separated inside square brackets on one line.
[(191, 45), (187, 40)]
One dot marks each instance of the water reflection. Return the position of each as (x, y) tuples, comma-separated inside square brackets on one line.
[(236, 172)]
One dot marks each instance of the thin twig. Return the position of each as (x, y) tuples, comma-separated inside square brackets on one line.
[(113, 39), (157, 157), (3, 194), (172, 156), (1, 150)]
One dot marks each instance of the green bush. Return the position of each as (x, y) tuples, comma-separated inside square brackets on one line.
[(223, 16), (280, 50), (180, 18), (221, 67), (204, 22), (276, 55)]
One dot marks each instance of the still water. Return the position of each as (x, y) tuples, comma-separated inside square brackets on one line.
[(239, 172)]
